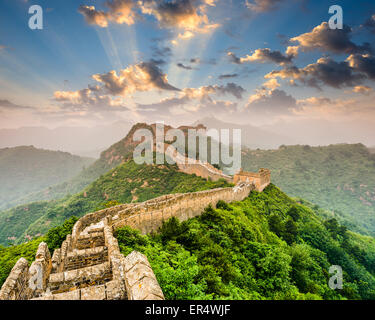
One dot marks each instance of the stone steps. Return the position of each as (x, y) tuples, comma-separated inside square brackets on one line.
[(80, 278), (90, 240), (77, 259), (112, 290)]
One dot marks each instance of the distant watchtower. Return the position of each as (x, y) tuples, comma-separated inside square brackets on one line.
[(261, 179)]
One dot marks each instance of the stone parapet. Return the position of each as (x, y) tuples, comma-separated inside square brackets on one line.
[(140, 280)]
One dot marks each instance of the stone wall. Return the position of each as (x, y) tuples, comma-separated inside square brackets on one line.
[(148, 216), (261, 179), (89, 264), (25, 283), (197, 167), (140, 280)]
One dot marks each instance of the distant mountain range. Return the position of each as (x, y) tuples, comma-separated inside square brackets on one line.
[(251, 136), (84, 141), (338, 177), (25, 169)]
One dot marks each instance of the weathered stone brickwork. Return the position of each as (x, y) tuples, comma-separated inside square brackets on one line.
[(89, 264), (260, 179)]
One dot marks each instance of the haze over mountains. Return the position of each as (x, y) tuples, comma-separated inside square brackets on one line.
[(84, 141), (90, 141), (25, 169)]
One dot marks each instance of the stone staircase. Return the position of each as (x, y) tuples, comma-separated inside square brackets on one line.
[(89, 264)]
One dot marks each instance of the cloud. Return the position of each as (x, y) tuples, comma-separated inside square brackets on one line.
[(265, 55), (204, 92), (88, 99), (273, 102), (325, 39), (363, 63), (271, 84), (112, 87), (187, 15), (263, 5), (196, 98), (363, 89), (370, 24), (324, 72), (143, 76), (228, 76), (119, 11), (182, 66)]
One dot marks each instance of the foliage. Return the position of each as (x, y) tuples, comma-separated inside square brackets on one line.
[(265, 247), (126, 183), (56, 236)]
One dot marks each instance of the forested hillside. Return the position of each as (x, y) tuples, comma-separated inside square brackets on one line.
[(265, 247), (126, 183), (25, 169), (336, 177)]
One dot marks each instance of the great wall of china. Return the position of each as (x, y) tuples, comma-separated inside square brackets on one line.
[(89, 265)]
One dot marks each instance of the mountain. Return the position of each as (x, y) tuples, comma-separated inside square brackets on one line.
[(339, 177), (84, 141), (26, 169), (251, 136), (125, 183), (116, 154), (267, 246)]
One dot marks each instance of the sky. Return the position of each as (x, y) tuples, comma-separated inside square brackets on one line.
[(269, 63)]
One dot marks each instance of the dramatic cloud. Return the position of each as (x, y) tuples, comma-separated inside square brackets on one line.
[(271, 84), (370, 24), (325, 39), (273, 102), (143, 76), (324, 72), (187, 15), (266, 55), (363, 63), (263, 5), (119, 11), (363, 89), (88, 99)]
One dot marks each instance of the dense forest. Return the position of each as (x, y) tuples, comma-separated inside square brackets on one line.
[(339, 177)]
